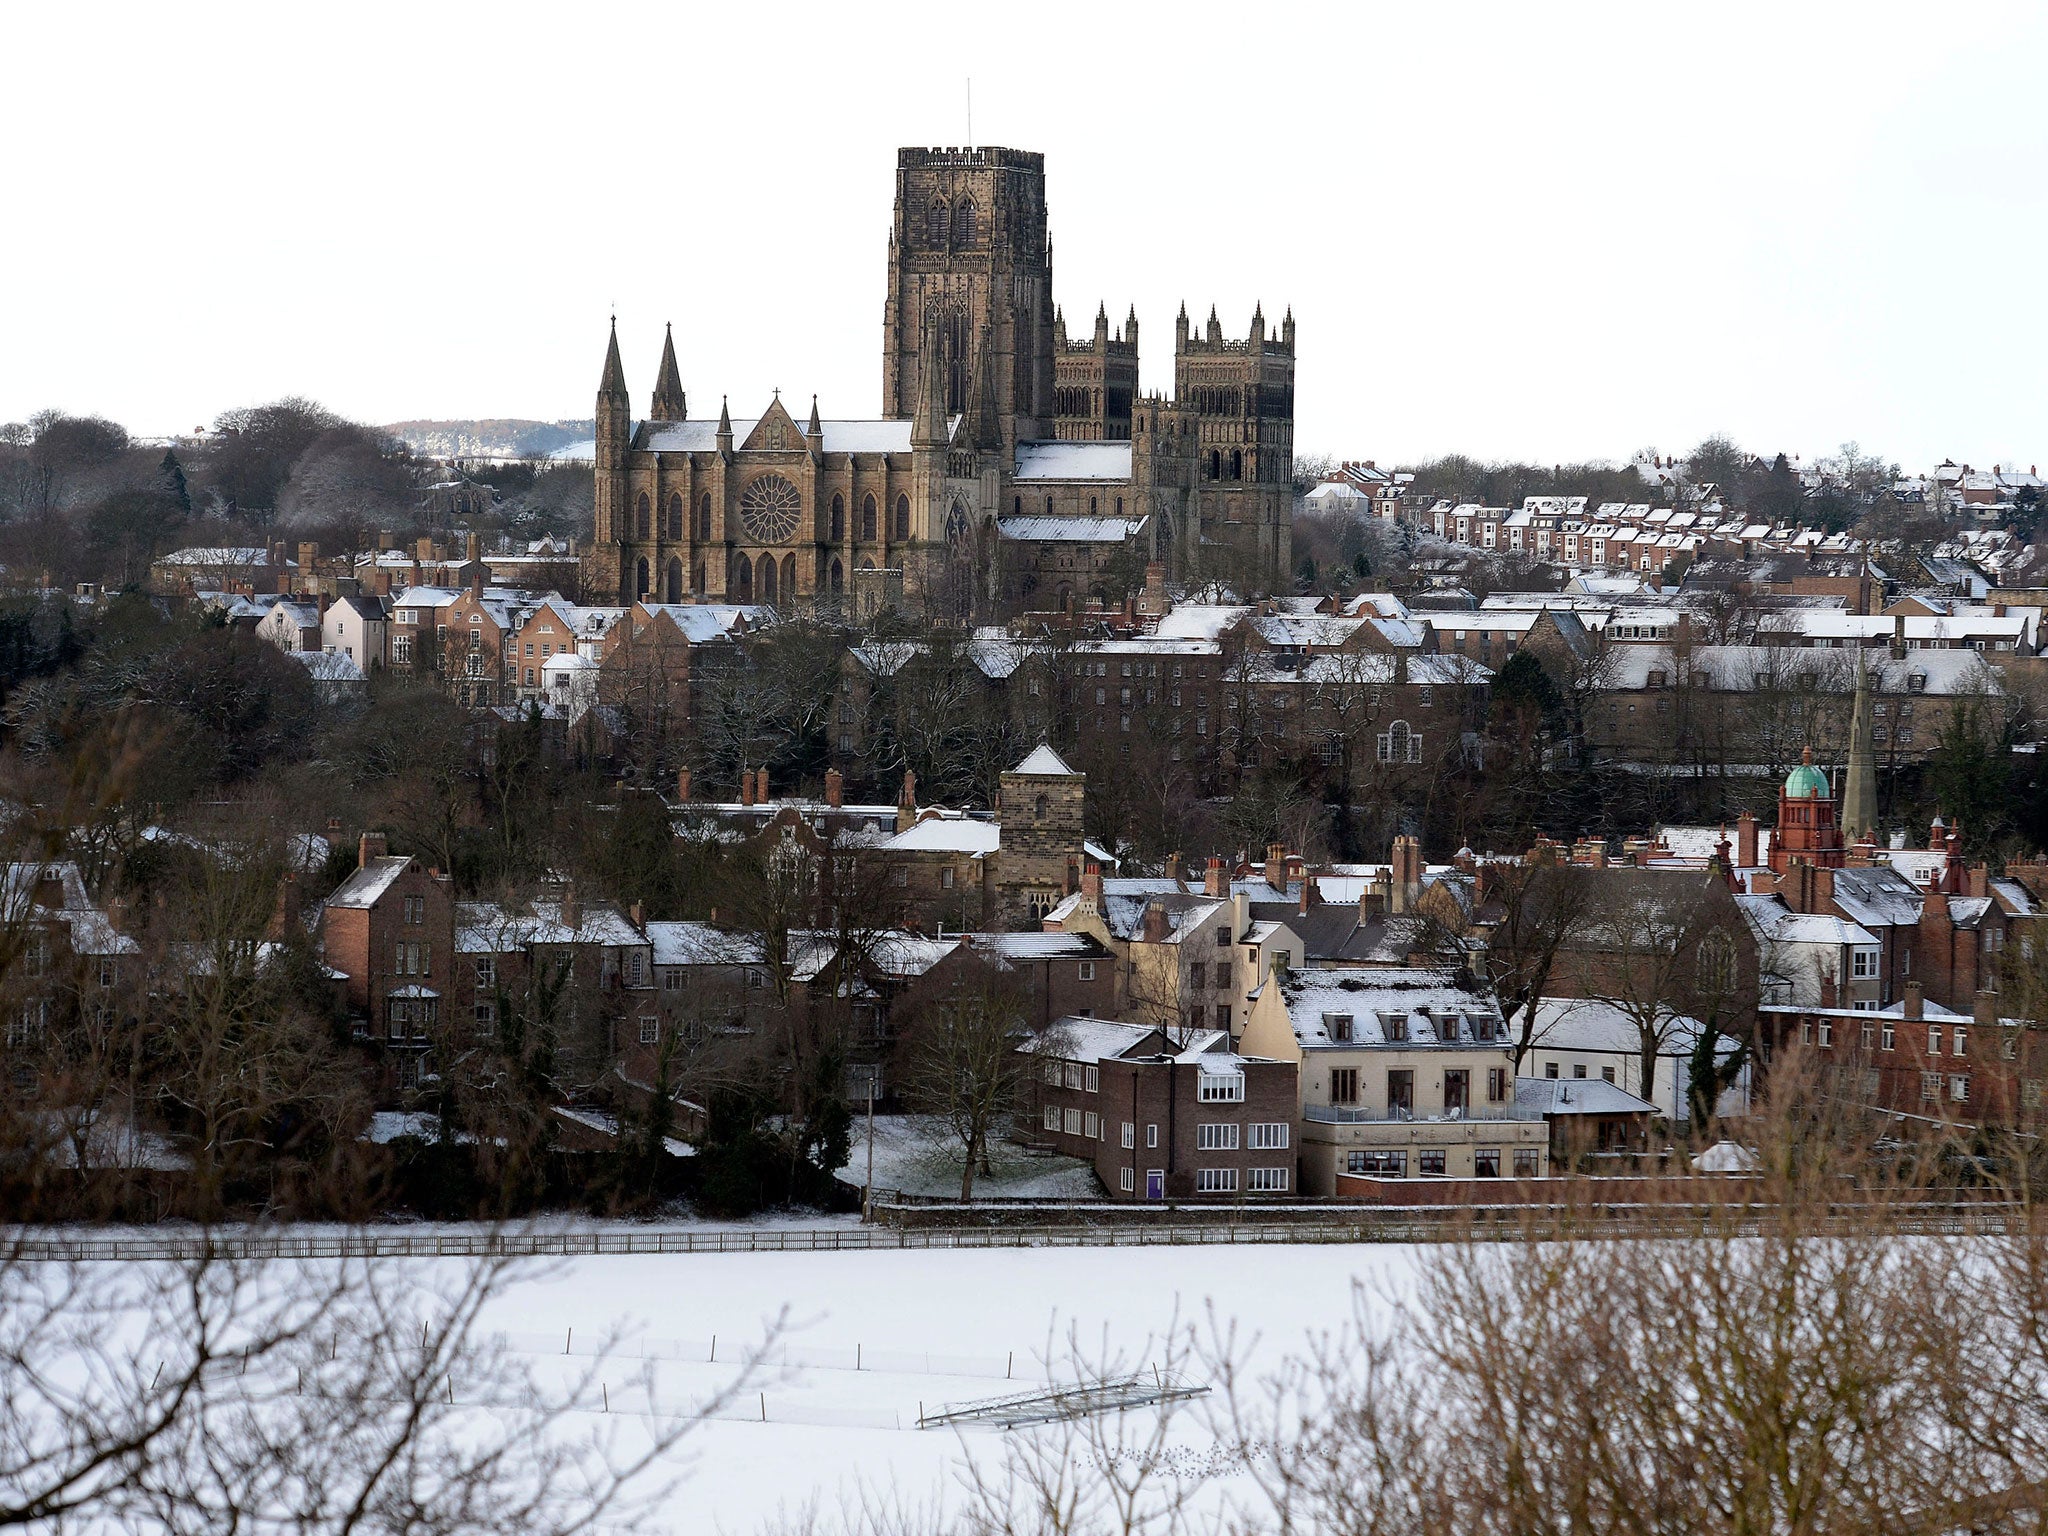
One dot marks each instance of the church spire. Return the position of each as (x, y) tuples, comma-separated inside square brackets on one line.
[(724, 427), (1859, 789), (987, 429), (928, 429), (669, 402), (613, 384), (814, 429)]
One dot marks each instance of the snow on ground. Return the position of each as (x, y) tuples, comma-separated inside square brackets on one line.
[(915, 1157), (830, 1428)]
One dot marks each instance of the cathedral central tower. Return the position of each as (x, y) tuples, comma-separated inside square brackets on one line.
[(968, 245)]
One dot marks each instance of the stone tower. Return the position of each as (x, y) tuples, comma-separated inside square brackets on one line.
[(968, 237), (1237, 400), (1042, 799), (614, 441), (1095, 382)]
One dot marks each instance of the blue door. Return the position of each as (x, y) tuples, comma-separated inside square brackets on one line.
[(1155, 1184)]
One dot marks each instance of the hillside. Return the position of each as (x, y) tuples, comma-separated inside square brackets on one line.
[(492, 438)]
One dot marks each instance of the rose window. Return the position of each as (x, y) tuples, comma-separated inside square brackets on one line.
[(771, 508)]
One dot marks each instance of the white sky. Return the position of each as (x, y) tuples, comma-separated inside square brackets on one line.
[(1542, 231)]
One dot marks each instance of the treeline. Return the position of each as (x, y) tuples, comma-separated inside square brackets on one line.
[(83, 501)]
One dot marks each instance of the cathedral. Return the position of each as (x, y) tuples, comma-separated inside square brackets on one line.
[(1012, 466)]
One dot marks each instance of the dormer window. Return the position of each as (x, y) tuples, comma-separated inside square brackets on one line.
[(1394, 1026), (1338, 1027)]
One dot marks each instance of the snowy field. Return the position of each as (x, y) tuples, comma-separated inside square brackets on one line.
[(944, 1327)]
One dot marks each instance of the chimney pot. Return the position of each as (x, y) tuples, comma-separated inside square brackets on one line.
[(371, 845), (682, 784), (1914, 1002), (835, 788)]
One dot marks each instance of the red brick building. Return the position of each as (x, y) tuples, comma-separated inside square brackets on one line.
[(389, 928), (1165, 1115)]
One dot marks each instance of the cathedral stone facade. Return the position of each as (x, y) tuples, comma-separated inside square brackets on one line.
[(1011, 467)]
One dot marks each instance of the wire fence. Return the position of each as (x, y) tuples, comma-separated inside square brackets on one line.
[(1376, 1224), (780, 1354)]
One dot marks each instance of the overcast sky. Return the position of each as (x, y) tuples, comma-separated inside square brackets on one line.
[(1550, 232)]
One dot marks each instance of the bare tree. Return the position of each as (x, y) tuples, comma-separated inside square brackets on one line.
[(961, 1065), (346, 1396), (1533, 913)]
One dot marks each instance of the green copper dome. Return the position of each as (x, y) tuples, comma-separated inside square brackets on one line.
[(1806, 782)]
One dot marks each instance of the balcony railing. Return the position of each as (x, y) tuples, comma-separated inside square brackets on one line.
[(1345, 1114)]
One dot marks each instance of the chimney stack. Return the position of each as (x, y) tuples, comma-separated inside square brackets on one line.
[(638, 914), (1276, 867), (1914, 1002), (571, 909), (1091, 884), (761, 787), (746, 786), (1984, 1007), (1214, 881), (906, 802), (1745, 840), (682, 784), (371, 845), (1176, 869), (835, 788), (1155, 928)]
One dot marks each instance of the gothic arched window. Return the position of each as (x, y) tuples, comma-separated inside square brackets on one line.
[(1091, 506), (768, 582), (956, 525), (675, 515), (697, 578), (963, 223), (789, 577), (643, 514), (675, 578), (640, 576), (935, 223), (743, 580), (867, 518), (1237, 463), (838, 578), (902, 517), (838, 518), (704, 519), (1215, 464)]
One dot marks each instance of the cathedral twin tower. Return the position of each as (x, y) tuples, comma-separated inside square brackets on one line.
[(1011, 468)]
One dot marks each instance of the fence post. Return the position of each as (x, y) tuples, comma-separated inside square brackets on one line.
[(566, 1340), (764, 1407)]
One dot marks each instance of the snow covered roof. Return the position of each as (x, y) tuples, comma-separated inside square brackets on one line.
[(1056, 528), (1878, 897), (329, 666), (1578, 1096), (367, 884), (702, 623), (701, 436), (1200, 621), (685, 943), (1073, 461), (1428, 1005), (1595, 1024), (1046, 763), (1077, 1039), (947, 832)]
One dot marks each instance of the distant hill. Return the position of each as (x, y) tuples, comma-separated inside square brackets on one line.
[(501, 438)]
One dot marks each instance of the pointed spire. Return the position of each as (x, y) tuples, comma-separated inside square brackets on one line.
[(987, 430), (928, 429), (814, 429), (669, 403), (724, 423), (1859, 788), (614, 380)]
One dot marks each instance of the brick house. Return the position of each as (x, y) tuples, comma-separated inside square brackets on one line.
[(1164, 1115), (389, 928), (70, 956), (1920, 1059)]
